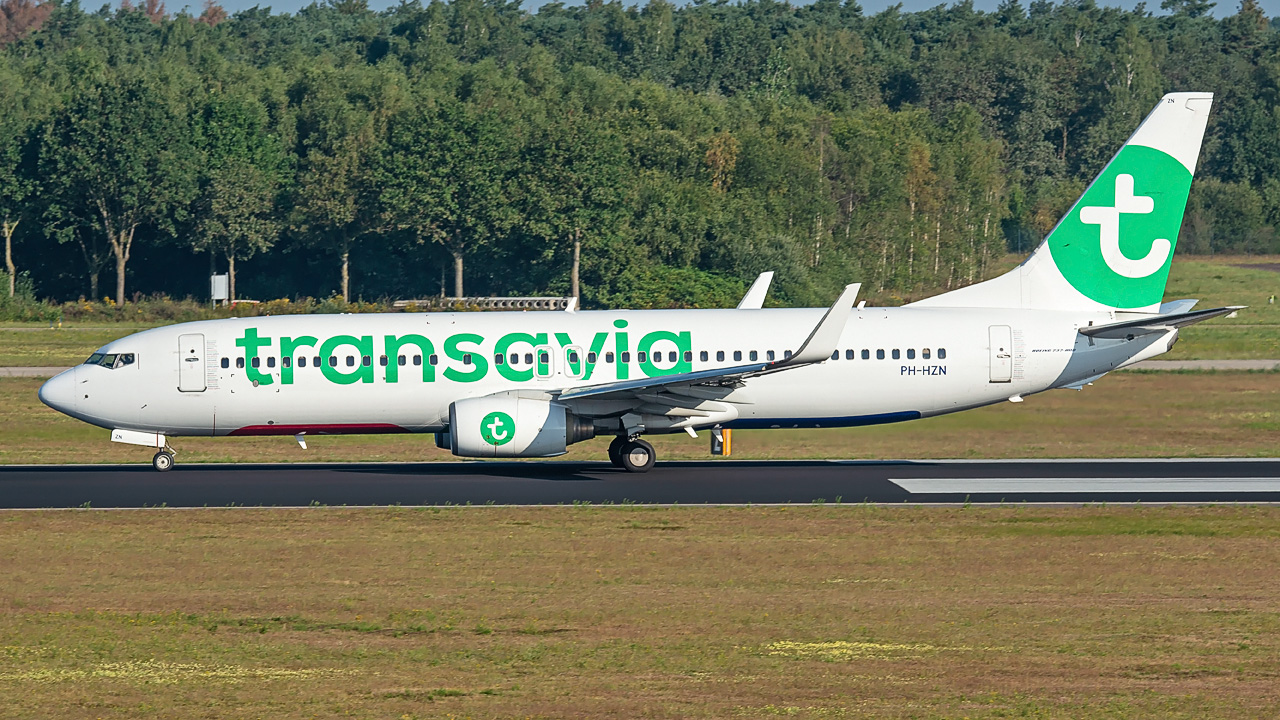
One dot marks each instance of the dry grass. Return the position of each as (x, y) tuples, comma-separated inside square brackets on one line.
[(1161, 414), (819, 611)]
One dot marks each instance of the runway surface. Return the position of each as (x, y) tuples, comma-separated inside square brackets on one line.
[(718, 482)]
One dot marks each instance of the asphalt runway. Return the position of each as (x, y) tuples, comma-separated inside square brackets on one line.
[(686, 483)]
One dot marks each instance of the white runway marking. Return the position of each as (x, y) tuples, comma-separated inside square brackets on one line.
[(976, 486)]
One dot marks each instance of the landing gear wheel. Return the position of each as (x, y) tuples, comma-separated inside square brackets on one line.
[(163, 461), (637, 456), (615, 451)]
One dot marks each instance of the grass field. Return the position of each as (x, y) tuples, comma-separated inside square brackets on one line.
[(812, 612), (1217, 281), (1161, 415)]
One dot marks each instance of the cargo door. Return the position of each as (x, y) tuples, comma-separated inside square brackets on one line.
[(1001, 354), (191, 371)]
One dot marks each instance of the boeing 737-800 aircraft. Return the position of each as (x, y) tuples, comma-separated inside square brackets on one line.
[(502, 384)]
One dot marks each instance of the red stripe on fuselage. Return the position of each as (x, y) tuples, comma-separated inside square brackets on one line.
[(334, 429)]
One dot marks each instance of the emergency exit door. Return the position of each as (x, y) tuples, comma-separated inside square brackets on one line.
[(191, 363), (1001, 354)]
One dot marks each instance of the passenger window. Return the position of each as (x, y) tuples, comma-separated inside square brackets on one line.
[(351, 361), (880, 354), (704, 356), (528, 358), (226, 363), (382, 360), (786, 354), (333, 361), (641, 356), (942, 353), (753, 356), (366, 361), (897, 354), (672, 356), (911, 353), (239, 362), (925, 353), (866, 354), (515, 358), (286, 361), (466, 359), (417, 360), (770, 355), (608, 357), (591, 358), (719, 356), (315, 361), (737, 355), (271, 362), (848, 355), (835, 354), (688, 355), (256, 362), (402, 360), (626, 357), (573, 357), (543, 358), (302, 361), (434, 360), (499, 359)]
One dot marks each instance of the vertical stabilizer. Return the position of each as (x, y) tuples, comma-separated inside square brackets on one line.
[(1113, 249)]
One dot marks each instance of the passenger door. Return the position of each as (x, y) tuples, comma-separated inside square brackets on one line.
[(191, 370), (1001, 354)]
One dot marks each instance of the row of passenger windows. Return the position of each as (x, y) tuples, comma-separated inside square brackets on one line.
[(573, 357), (896, 354)]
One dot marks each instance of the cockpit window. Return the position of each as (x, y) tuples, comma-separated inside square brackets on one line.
[(111, 361)]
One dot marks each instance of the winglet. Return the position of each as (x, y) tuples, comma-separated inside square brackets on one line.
[(826, 336), (754, 299)]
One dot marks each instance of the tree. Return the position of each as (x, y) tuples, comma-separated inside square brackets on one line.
[(17, 185), (445, 178), (572, 183), (117, 157), (19, 18), (246, 166), (342, 120)]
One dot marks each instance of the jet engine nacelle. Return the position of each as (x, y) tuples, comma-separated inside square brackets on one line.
[(505, 426)]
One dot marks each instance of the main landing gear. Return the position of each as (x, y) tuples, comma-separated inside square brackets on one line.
[(633, 455), (163, 461)]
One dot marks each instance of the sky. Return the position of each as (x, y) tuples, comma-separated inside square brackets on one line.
[(869, 7)]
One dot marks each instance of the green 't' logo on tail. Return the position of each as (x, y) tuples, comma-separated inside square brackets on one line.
[(1116, 244), (497, 428)]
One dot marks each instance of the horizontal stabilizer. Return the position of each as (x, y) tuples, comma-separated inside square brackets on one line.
[(1154, 324)]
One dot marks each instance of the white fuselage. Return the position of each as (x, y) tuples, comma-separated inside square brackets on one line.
[(198, 378)]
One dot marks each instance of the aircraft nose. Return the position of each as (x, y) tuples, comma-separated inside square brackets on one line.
[(59, 392)]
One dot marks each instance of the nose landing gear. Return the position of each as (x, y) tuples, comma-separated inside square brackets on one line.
[(633, 455), (163, 460)]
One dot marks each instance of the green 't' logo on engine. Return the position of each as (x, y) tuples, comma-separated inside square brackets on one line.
[(1116, 244), (497, 428)]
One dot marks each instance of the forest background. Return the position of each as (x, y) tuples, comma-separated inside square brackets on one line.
[(476, 147)]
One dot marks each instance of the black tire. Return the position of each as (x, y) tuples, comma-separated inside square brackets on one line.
[(163, 461), (615, 451), (638, 456)]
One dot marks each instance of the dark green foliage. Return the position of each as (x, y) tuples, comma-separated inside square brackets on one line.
[(681, 149)]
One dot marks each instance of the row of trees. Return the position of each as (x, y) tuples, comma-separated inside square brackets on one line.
[(646, 155)]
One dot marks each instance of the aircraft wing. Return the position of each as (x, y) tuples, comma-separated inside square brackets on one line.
[(819, 346), (1155, 323)]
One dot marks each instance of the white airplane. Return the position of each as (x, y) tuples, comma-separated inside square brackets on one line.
[(502, 384)]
